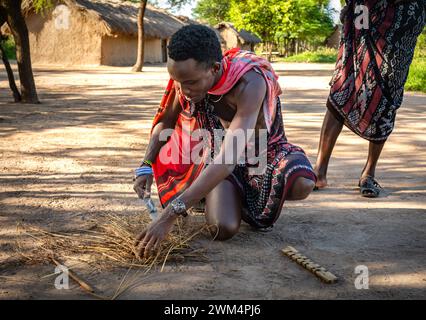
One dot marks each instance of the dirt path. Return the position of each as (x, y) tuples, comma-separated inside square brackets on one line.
[(71, 158)]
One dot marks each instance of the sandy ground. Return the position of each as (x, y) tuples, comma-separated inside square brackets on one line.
[(71, 158)]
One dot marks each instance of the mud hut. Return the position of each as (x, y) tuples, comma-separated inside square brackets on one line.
[(187, 20), (234, 38), (98, 32), (333, 40)]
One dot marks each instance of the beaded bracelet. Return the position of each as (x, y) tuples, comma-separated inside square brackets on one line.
[(142, 171), (147, 162)]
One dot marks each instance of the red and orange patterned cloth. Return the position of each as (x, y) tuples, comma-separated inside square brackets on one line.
[(172, 178), (262, 195)]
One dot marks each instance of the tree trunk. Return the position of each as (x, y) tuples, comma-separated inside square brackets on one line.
[(19, 29), (141, 35), (269, 51), (286, 47), (9, 71), (10, 76)]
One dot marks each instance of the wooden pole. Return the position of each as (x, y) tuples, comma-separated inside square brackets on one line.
[(309, 265)]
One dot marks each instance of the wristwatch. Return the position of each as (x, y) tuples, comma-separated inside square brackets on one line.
[(178, 207)]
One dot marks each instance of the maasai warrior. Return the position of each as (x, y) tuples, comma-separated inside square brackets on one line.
[(376, 50), (238, 92)]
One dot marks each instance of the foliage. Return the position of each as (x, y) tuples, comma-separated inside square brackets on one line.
[(417, 77), (41, 5), (291, 19), (9, 48), (322, 55), (421, 46), (212, 11)]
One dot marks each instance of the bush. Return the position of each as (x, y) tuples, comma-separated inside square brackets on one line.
[(322, 55), (421, 46), (9, 47), (417, 76)]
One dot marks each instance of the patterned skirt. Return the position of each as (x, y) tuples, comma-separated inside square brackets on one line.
[(367, 86), (263, 195)]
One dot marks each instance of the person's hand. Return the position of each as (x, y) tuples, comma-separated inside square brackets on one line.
[(143, 185), (149, 240)]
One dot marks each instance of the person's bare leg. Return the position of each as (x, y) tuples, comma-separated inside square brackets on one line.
[(330, 131), (374, 151), (223, 210), (301, 189)]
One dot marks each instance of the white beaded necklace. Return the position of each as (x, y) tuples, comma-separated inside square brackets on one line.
[(220, 98), (215, 101)]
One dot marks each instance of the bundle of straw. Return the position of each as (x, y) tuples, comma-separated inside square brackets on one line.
[(111, 243)]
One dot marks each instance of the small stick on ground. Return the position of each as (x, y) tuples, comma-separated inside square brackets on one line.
[(81, 283), (309, 265)]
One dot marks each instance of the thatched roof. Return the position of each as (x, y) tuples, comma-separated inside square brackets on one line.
[(243, 35), (187, 20), (120, 17)]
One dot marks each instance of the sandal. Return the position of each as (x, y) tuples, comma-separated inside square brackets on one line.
[(369, 187)]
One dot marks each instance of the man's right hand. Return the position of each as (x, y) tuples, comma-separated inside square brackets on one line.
[(142, 185)]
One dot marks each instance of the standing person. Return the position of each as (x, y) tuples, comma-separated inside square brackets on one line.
[(376, 50)]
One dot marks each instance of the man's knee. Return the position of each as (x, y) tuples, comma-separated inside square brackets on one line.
[(302, 188), (224, 231)]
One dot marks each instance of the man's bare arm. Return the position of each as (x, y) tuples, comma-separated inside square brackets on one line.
[(249, 102)]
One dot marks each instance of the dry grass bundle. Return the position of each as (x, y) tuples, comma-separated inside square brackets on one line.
[(110, 243)]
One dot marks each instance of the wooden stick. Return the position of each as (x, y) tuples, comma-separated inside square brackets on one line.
[(82, 284), (309, 265)]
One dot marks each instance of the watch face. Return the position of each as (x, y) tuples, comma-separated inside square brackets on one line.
[(178, 207)]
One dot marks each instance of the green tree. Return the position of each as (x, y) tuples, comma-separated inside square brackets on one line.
[(212, 11), (290, 19), (262, 17), (312, 20)]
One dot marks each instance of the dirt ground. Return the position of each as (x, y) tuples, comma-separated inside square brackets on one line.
[(71, 158)]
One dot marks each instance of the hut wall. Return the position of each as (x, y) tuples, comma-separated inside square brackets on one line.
[(231, 40), (119, 51), (70, 41), (153, 50), (334, 40), (67, 37), (122, 51)]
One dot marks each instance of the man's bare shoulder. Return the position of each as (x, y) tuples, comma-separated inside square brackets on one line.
[(252, 77), (251, 84)]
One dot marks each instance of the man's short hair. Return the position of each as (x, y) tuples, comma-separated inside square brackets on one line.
[(197, 42)]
